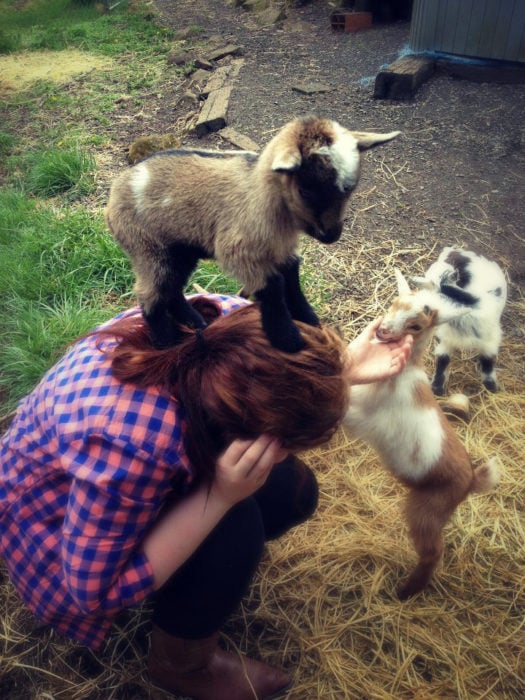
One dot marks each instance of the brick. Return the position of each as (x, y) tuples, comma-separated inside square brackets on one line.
[(351, 21)]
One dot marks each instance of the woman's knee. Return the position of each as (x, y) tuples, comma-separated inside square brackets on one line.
[(289, 496)]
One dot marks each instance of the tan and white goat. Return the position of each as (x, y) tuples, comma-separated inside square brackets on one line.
[(402, 420), (244, 209)]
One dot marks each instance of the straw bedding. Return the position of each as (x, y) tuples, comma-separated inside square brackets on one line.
[(324, 602)]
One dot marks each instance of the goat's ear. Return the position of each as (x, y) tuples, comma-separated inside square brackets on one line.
[(447, 312), (287, 161), (367, 139), (402, 284), (422, 283)]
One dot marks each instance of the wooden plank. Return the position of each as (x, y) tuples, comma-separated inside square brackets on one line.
[(216, 80), (240, 140), (401, 79), (213, 112), (229, 49)]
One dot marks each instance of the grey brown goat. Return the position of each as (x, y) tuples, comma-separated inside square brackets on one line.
[(246, 210)]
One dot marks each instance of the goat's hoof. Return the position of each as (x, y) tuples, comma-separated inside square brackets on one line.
[(411, 588), (310, 318), (290, 344), (405, 594), (490, 385), (438, 389)]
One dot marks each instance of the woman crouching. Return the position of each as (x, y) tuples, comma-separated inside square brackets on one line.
[(132, 472)]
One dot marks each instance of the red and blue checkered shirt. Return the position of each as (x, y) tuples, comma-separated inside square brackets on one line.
[(85, 469)]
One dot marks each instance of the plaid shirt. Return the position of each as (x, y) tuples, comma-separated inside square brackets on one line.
[(85, 469)]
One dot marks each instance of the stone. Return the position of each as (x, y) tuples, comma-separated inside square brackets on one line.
[(146, 145), (203, 63), (311, 88)]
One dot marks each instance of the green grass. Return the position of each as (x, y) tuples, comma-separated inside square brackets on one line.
[(60, 24), (60, 170), (61, 272)]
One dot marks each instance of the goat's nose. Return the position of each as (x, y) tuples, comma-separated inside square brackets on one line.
[(383, 333), (333, 233)]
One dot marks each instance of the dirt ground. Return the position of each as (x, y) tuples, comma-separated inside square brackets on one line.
[(455, 176)]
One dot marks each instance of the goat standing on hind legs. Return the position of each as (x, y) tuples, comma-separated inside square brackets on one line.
[(402, 420), (246, 210)]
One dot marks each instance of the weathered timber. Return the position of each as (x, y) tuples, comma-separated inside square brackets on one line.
[(213, 113), (401, 79), (239, 140), (228, 50), (216, 80)]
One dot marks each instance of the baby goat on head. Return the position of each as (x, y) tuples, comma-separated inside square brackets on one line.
[(402, 420), (244, 209), (480, 286)]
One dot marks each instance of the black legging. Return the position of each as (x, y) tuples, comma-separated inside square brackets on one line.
[(206, 590)]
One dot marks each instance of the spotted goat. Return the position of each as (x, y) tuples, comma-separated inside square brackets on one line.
[(243, 209), (478, 286)]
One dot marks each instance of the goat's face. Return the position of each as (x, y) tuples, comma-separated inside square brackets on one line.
[(416, 313), (409, 314), (320, 163), (318, 200)]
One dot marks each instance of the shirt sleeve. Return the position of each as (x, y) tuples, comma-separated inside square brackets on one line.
[(115, 497)]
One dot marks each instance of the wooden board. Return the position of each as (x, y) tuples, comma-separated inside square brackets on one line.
[(213, 113)]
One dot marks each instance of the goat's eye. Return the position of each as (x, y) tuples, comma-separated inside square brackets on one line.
[(414, 327), (305, 193)]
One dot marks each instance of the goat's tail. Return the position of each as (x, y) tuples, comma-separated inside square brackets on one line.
[(486, 476)]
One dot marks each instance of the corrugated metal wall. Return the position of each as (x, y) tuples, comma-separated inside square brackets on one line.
[(492, 29)]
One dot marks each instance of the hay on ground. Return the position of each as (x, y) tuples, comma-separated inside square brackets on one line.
[(324, 602)]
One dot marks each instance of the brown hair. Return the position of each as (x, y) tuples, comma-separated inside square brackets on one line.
[(233, 383)]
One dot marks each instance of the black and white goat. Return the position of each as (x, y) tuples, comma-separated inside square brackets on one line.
[(402, 420), (479, 285), (244, 209)]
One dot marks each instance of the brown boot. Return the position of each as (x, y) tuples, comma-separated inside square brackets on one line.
[(201, 670)]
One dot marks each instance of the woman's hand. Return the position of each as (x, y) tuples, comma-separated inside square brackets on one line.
[(244, 467), (241, 469), (369, 360)]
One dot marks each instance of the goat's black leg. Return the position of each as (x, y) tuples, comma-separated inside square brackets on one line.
[(171, 310), (488, 376), (438, 382), (297, 303), (276, 317)]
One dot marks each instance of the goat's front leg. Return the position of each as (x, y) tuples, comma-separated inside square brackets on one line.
[(276, 317), (488, 373), (297, 303)]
